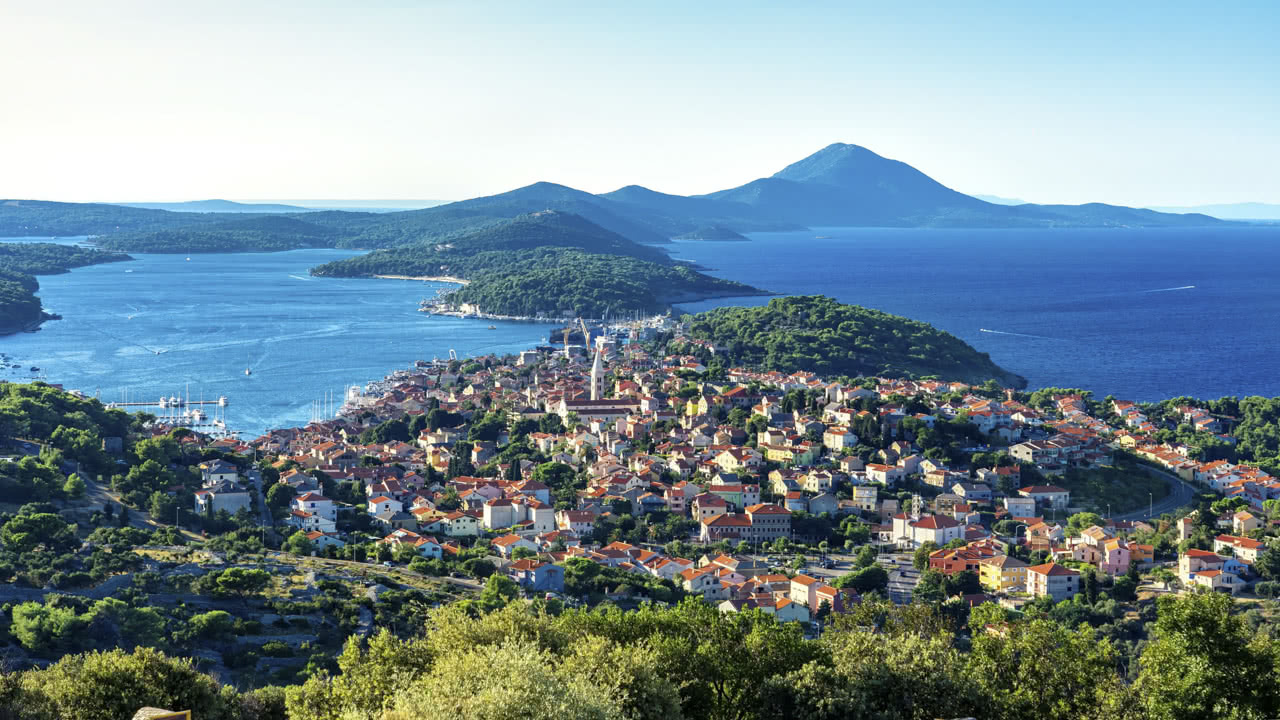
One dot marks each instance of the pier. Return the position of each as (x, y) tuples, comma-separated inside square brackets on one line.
[(181, 411)]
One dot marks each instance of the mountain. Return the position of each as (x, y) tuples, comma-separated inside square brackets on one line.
[(443, 221), (849, 185), (1231, 211), (840, 185), (218, 206)]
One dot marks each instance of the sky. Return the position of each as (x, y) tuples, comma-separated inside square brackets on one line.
[(1160, 103)]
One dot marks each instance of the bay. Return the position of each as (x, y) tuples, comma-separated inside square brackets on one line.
[(1143, 314), (151, 327)]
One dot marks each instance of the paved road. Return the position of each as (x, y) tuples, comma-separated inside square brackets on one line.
[(1180, 493)]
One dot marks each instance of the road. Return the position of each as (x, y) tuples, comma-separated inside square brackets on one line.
[(1181, 493)]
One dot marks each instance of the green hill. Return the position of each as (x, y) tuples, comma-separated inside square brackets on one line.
[(550, 263), (19, 262), (815, 333)]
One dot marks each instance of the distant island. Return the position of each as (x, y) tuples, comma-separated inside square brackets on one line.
[(20, 309), (711, 232), (840, 185), (817, 334), (547, 264), (518, 267)]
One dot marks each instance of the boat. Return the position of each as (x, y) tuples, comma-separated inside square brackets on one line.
[(493, 327), (128, 271), (247, 371)]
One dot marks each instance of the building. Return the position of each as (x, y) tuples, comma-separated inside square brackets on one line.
[(1247, 549), (915, 530), (1020, 506), (218, 471), (221, 495), (1054, 580), (760, 523), (536, 576), (1050, 495), (1002, 573)]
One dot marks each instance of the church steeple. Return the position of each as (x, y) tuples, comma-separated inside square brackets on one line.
[(597, 378)]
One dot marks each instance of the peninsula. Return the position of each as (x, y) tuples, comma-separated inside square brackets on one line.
[(20, 308), (548, 264)]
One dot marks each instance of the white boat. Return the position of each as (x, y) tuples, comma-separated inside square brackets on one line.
[(247, 371)]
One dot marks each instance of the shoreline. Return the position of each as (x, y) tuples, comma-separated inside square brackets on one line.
[(426, 278)]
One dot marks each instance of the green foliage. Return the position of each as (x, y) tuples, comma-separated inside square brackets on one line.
[(115, 684), (28, 531), (552, 263), (816, 333), (19, 306), (1195, 665)]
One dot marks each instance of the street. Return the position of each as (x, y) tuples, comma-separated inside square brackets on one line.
[(1181, 493)]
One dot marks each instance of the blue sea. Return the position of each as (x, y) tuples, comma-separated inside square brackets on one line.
[(1141, 314), (152, 327)]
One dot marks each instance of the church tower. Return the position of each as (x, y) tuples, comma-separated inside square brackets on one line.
[(597, 378)]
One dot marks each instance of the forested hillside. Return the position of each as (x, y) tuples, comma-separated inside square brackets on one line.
[(548, 262), (19, 306), (818, 334)]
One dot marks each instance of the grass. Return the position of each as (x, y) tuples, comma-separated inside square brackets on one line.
[(1125, 487)]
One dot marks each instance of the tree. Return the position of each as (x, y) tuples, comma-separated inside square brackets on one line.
[(521, 553), (115, 684), (299, 544), (163, 507), (1037, 668), (25, 532), (47, 630), (931, 588), (920, 558), (243, 582), (495, 682), (279, 496), (870, 676), (866, 557), (1199, 652), (1268, 563), (1082, 521), (868, 579), (74, 487), (498, 591)]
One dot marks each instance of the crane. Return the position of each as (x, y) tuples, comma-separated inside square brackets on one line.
[(566, 341), (586, 335)]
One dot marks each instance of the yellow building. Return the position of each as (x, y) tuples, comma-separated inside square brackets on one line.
[(1002, 573)]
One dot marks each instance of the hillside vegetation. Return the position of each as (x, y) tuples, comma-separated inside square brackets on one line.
[(19, 262), (551, 263), (815, 333), (880, 662)]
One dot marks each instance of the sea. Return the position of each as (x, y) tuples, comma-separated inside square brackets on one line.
[(1142, 314), (169, 326)]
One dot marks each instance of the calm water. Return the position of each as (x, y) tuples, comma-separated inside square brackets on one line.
[(213, 315), (1141, 314)]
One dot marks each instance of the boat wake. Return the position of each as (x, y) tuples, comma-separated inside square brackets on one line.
[(1184, 287), (304, 279), (1015, 334)]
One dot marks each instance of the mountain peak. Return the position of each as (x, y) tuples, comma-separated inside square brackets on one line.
[(844, 165)]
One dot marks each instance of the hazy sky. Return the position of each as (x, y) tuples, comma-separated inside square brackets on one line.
[(1134, 103)]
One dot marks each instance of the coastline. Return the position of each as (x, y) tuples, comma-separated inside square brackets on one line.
[(426, 278)]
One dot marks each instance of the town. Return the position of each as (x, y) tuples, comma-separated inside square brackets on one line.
[(785, 493)]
